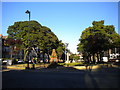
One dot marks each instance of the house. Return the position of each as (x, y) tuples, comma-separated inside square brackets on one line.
[(7, 50), (4, 48)]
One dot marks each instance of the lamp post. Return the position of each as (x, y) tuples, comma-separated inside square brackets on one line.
[(28, 12), (66, 44)]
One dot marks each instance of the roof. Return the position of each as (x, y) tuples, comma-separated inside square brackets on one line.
[(1, 35), (4, 37)]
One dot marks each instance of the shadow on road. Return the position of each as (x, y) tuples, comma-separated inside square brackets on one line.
[(61, 77), (44, 78)]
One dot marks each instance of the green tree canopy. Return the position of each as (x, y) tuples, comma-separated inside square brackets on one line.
[(97, 38), (60, 49), (32, 34)]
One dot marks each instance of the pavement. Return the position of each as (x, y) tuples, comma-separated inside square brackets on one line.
[(63, 77)]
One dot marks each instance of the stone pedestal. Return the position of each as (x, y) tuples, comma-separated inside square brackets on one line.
[(67, 58)]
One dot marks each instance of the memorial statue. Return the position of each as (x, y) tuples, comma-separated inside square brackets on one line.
[(53, 57)]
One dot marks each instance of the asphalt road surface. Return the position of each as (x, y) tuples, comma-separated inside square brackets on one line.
[(81, 79)]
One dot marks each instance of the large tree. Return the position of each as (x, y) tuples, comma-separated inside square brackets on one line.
[(32, 34), (97, 39)]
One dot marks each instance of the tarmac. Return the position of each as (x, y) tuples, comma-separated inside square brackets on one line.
[(61, 77)]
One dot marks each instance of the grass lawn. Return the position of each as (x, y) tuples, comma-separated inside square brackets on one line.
[(46, 64), (36, 65), (71, 64)]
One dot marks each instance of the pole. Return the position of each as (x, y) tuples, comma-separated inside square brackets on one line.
[(65, 53), (28, 12), (66, 44)]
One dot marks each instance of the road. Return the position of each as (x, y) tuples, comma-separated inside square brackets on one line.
[(81, 79)]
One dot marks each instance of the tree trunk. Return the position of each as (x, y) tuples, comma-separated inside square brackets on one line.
[(100, 56), (21, 54), (94, 58), (11, 53), (34, 51), (108, 55), (25, 54), (97, 57), (90, 58), (48, 57), (43, 57)]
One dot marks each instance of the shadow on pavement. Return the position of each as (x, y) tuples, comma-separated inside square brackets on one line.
[(61, 77), (66, 78)]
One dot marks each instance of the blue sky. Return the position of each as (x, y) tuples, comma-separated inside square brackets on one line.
[(66, 19)]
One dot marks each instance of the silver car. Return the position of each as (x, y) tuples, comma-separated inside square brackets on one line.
[(7, 62), (21, 61)]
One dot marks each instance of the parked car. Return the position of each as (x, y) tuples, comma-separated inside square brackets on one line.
[(4, 61), (21, 61), (30, 61), (7, 62), (105, 59)]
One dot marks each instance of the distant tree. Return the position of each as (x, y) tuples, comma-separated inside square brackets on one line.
[(76, 57), (60, 49), (72, 56)]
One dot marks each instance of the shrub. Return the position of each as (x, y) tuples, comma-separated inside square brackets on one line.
[(53, 65)]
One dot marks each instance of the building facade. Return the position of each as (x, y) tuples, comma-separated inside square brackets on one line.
[(5, 50)]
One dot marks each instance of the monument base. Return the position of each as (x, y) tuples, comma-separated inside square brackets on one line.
[(67, 61)]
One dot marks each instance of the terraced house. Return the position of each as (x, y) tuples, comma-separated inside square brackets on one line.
[(5, 49), (9, 51)]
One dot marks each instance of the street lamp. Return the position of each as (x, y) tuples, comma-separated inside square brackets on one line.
[(28, 12), (66, 44)]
